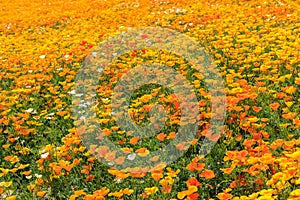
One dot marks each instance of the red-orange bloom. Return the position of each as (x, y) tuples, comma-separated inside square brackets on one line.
[(274, 106), (193, 182), (208, 174)]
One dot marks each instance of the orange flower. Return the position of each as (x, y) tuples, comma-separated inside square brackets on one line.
[(195, 166), (30, 187), (89, 197), (67, 167), (5, 184), (157, 174), (290, 89), (39, 181), (166, 189), (77, 194), (110, 156), (193, 142), (89, 178), (193, 196), (41, 193), (101, 193), (187, 192), (208, 174), (4, 171), (102, 151), (289, 115), (76, 161), (26, 173), (127, 150), (274, 106), (182, 146), (233, 184), (172, 173), (127, 191), (86, 169), (151, 190), (224, 196), (118, 174), (12, 159), (154, 158), (134, 140), (142, 151), (193, 182), (161, 136), (171, 135), (166, 181), (256, 109), (230, 169), (11, 197), (138, 173), (118, 194), (120, 160), (5, 146)]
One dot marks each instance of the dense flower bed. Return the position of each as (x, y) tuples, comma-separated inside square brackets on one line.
[(255, 46)]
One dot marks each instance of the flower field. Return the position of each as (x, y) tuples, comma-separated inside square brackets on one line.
[(255, 45)]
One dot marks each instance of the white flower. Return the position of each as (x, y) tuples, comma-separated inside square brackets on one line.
[(38, 175), (83, 118), (94, 53), (131, 156), (72, 92), (29, 110), (45, 155), (118, 180), (28, 177), (112, 113), (79, 95), (42, 56)]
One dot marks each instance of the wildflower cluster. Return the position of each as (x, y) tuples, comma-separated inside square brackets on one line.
[(255, 46)]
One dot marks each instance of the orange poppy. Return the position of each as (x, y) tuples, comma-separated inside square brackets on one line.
[(274, 106), (208, 174)]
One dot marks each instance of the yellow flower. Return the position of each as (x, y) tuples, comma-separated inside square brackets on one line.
[(151, 190), (11, 197), (22, 166), (116, 194), (145, 98), (128, 191), (142, 152), (187, 192), (171, 173), (294, 194), (4, 171), (291, 89), (12, 159), (295, 155), (5, 184), (41, 193)]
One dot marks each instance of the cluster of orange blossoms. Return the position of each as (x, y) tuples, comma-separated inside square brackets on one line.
[(254, 44)]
